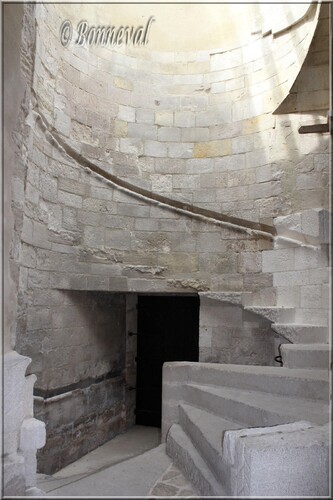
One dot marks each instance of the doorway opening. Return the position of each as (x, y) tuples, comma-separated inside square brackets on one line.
[(168, 330)]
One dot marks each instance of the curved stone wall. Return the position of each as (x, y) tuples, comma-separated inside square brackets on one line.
[(197, 127), (124, 151)]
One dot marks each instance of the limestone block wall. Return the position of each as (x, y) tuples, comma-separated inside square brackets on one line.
[(194, 127), (74, 329), (78, 234), (230, 334), (197, 127), (77, 343), (300, 265)]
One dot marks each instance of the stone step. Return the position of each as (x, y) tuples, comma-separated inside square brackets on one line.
[(311, 356), (206, 432), (275, 314), (302, 334), (305, 383), (253, 408), (185, 456), (309, 226)]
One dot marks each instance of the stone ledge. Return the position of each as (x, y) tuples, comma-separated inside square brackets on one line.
[(236, 298), (310, 227)]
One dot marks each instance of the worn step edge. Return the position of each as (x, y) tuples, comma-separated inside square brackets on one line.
[(273, 313), (301, 333), (255, 408), (230, 437), (184, 454), (206, 431), (312, 356), (312, 384)]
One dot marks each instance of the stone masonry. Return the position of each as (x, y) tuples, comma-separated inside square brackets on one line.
[(136, 170)]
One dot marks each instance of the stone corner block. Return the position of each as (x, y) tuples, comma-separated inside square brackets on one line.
[(258, 452), (33, 434), (231, 438)]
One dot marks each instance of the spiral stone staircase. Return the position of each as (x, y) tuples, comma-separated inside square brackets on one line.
[(241, 430), (236, 430)]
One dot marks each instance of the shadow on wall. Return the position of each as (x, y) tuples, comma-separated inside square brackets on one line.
[(81, 393), (230, 334)]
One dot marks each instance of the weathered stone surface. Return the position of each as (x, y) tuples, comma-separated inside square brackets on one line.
[(212, 149), (231, 333), (14, 476), (84, 420), (270, 449), (188, 126), (172, 483), (32, 435), (162, 489)]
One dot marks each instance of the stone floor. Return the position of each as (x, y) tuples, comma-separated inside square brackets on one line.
[(172, 483), (132, 464)]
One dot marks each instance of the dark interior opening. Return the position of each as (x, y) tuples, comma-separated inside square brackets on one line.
[(168, 330)]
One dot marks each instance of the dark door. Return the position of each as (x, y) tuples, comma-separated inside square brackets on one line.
[(168, 330)]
